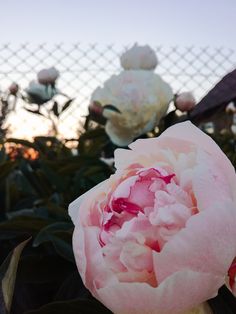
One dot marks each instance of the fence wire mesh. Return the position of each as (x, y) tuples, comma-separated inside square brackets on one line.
[(83, 67)]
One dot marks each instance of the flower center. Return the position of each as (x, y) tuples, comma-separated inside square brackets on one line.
[(144, 211)]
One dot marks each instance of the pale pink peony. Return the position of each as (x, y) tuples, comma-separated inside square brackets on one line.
[(159, 235), (48, 76), (185, 101)]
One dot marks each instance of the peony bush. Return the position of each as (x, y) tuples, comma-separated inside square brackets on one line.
[(158, 236)]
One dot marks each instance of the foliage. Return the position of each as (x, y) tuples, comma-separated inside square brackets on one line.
[(7, 105), (38, 181)]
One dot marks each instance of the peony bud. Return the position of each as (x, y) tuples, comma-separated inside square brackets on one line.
[(185, 101), (13, 88), (48, 76), (139, 58)]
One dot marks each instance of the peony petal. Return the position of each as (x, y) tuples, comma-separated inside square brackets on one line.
[(181, 291), (136, 257), (79, 251), (209, 182), (182, 138), (207, 244), (75, 205), (89, 258), (120, 137), (123, 189), (188, 132)]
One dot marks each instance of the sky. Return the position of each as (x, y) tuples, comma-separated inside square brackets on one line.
[(159, 22)]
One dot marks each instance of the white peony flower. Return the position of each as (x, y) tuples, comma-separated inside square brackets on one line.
[(48, 76), (139, 57), (38, 93), (142, 99)]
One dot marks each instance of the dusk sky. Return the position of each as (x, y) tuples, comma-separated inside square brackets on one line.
[(159, 22)]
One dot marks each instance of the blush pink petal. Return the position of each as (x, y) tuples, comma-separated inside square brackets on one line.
[(181, 137), (75, 205), (137, 228), (141, 195), (136, 257), (89, 258), (209, 182), (79, 251), (207, 244), (123, 189), (181, 291), (172, 214)]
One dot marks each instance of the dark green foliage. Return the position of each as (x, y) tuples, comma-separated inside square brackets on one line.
[(38, 180)]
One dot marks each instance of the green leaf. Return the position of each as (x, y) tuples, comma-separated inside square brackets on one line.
[(67, 104), (44, 268), (55, 109), (77, 306), (8, 272), (53, 177), (112, 108), (71, 287), (6, 168), (59, 234), (24, 224), (34, 111), (62, 248), (3, 155), (36, 179), (44, 234), (92, 142)]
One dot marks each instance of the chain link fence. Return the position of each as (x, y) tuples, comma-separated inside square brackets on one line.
[(83, 67)]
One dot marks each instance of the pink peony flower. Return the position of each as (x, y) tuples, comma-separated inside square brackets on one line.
[(185, 101), (159, 235)]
